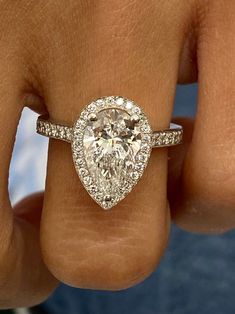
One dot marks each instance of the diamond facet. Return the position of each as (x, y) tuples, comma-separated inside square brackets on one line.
[(110, 146)]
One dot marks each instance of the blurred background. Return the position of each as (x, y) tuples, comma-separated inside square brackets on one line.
[(196, 274)]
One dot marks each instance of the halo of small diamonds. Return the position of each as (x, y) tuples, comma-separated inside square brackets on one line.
[(87, 178), (111, 145)]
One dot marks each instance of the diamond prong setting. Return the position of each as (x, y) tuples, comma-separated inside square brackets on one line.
[(92, 116)]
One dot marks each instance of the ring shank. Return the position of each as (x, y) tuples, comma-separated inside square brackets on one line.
[(54, 130), (162, 138), (168, 137)]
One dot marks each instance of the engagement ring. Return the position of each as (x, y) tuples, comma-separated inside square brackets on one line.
[(111, 144)]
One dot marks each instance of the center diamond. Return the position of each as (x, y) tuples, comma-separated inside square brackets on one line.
[(111, 142)]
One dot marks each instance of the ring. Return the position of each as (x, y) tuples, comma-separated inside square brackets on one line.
[(111, 144)]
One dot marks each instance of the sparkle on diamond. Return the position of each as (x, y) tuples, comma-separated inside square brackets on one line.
[(111, 143)]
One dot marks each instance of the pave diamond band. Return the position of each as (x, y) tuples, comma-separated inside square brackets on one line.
[(168, 137), (111, 144), (54, 130)]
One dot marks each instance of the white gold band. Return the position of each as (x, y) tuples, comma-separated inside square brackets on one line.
[(162, 138)]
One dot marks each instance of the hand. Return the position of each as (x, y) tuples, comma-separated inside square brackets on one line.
[(56, 56)]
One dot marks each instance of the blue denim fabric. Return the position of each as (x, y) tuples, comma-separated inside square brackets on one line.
[(196, 274)]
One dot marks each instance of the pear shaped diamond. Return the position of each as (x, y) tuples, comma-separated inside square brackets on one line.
[(111, 146)]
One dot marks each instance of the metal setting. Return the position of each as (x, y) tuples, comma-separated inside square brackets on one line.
[(111, 144)]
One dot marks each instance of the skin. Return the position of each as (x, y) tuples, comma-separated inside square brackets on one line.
[(55, 57)]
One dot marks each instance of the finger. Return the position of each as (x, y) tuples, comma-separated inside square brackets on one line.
[(207, 199), (24, 280), (134, 53)]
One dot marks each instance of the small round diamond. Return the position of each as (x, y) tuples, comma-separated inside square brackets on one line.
[(80, 124), (136, 110), (100, 102), (129, 104), (142, 157), (145, 128), (84, 114), (120, 101), (146, 138), (78, 154), (139, 167), (135, 175), (83, 172), (145, 147), (54, 131), (93, 189), (77, 146), (109, 99), (87, 180), (78, 134), (91, 107), (79, 162)]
